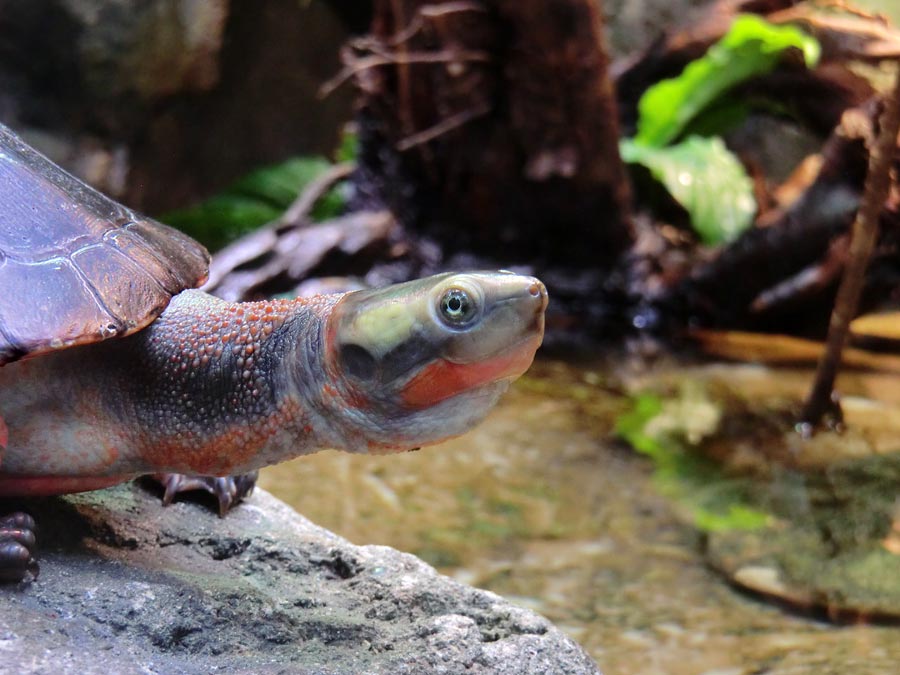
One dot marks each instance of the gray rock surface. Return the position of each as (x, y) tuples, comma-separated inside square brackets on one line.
[(127, 586)]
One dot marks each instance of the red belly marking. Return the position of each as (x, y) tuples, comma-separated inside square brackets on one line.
[(12, 485), (4, 434)]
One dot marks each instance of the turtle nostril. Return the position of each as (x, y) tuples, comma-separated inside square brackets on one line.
[(537, 290)]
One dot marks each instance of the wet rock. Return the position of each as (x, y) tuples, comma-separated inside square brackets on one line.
[(129, 587)]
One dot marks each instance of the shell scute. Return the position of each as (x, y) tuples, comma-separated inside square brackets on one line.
[(75, 266)]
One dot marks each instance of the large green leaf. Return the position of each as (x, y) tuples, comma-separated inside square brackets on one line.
[(751, 47), (706, 179)]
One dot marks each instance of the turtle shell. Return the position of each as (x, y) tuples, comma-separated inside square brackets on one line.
[(75, 266)]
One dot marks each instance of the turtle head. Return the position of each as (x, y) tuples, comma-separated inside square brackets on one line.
[(425, 360)]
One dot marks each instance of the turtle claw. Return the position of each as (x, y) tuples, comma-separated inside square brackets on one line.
[(228, 490), (17, 562)]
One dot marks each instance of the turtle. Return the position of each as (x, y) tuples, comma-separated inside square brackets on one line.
[(115, 365)]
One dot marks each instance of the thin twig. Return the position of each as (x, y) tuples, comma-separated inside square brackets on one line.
[(263, 240), (368, 62), (445, 8), (443, 127), (864, 235), (844, 6), (807, 281), (303, 205), (433, 12), (404, 83)]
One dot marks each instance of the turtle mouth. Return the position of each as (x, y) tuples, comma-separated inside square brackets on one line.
[(443, 379)]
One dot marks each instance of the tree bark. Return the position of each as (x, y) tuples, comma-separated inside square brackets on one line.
[(490, 126)]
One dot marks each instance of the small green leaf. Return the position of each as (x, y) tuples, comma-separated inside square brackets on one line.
[(736, 517), (660, 429), (348, 148), (706, 179), (752, 47), (630, 426)]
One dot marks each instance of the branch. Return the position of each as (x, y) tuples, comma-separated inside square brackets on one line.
[(864, 235)]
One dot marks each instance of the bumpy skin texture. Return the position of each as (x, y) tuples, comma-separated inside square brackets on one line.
[(215, 388), (200, 391)]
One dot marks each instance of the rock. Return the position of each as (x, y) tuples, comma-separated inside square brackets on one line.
[(164, 102), (127, 586), (151, 50)]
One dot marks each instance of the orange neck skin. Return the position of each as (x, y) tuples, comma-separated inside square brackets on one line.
[(243, 376)]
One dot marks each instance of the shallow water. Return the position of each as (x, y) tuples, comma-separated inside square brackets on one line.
[(543, 505)]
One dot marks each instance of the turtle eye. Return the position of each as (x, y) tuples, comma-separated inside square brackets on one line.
[(457, 307)]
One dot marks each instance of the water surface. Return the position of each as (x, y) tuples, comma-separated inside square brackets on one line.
[(543, 505)]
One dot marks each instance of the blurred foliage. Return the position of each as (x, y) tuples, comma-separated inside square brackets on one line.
[(258, 198), (261, 197), (348, 149), (706, 179), (751, 47), (888, 8), (665, 431), (700, 173)]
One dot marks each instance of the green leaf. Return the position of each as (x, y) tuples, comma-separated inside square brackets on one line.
[(221, 219), (280, 184), (735, 517), (721, 116), (752, 47), (258, 198), (630, 426), (706, 179), (660, 429), (348, 148)]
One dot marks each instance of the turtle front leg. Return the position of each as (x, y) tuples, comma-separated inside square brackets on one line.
[(228, 490), (17, 540), (16, 536)]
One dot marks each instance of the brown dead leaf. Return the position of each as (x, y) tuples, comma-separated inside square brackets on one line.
[(784, 349), (885, 326)]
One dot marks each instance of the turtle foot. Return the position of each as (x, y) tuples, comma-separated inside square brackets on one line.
[(228, 490), (17, 561)]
